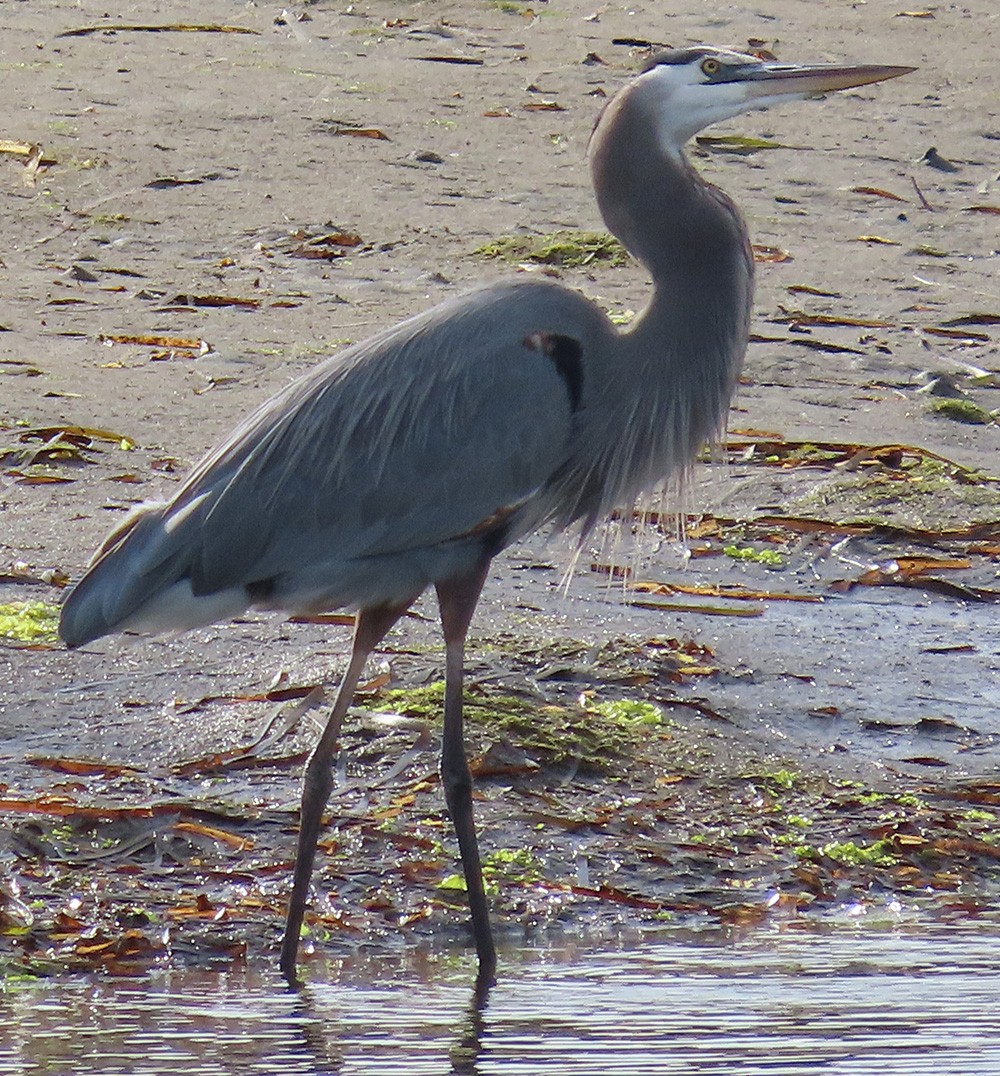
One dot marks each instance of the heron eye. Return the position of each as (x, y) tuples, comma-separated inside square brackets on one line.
[(710, 67)]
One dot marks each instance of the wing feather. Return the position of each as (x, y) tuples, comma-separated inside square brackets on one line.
[(390, 466), (402, 443)]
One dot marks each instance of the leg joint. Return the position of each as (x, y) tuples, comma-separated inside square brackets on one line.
[(455, 777), (317, 781)]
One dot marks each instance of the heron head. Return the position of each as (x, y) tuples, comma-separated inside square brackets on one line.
[(692, 88)]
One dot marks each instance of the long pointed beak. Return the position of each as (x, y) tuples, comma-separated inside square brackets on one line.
[(806, 80)]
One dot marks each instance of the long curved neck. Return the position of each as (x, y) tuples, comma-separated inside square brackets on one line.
[(686, 232), (686, 348)]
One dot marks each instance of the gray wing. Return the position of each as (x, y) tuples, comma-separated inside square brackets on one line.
[(407, 441)]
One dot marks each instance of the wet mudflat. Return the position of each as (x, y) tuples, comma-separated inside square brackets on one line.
[(633, 776)]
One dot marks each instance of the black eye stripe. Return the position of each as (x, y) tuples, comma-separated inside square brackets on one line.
[(673, 57), (726, 72)]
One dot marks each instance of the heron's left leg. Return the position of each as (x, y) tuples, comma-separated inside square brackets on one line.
[(317, 782), (457, 599)]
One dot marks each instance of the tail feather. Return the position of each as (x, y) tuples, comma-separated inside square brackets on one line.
[(135, 584)]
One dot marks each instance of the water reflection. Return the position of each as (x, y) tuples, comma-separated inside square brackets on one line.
[(844, 1003)]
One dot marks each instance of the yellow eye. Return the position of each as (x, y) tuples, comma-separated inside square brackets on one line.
[(710, 66)]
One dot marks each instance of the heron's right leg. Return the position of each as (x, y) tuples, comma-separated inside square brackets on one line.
[(457, 600), (317, 782)]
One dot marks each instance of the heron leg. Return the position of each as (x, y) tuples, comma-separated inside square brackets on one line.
[(317, 782), (457, 600)]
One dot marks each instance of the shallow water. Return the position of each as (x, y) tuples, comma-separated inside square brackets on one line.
[(842, 1002)]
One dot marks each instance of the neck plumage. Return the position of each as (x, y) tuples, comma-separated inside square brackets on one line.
[(685, 350), (687, 233)]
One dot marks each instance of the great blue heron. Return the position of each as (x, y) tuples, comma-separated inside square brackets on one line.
[(413, 458)]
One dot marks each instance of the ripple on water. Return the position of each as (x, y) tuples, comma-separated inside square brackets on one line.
[(850, 1003)]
